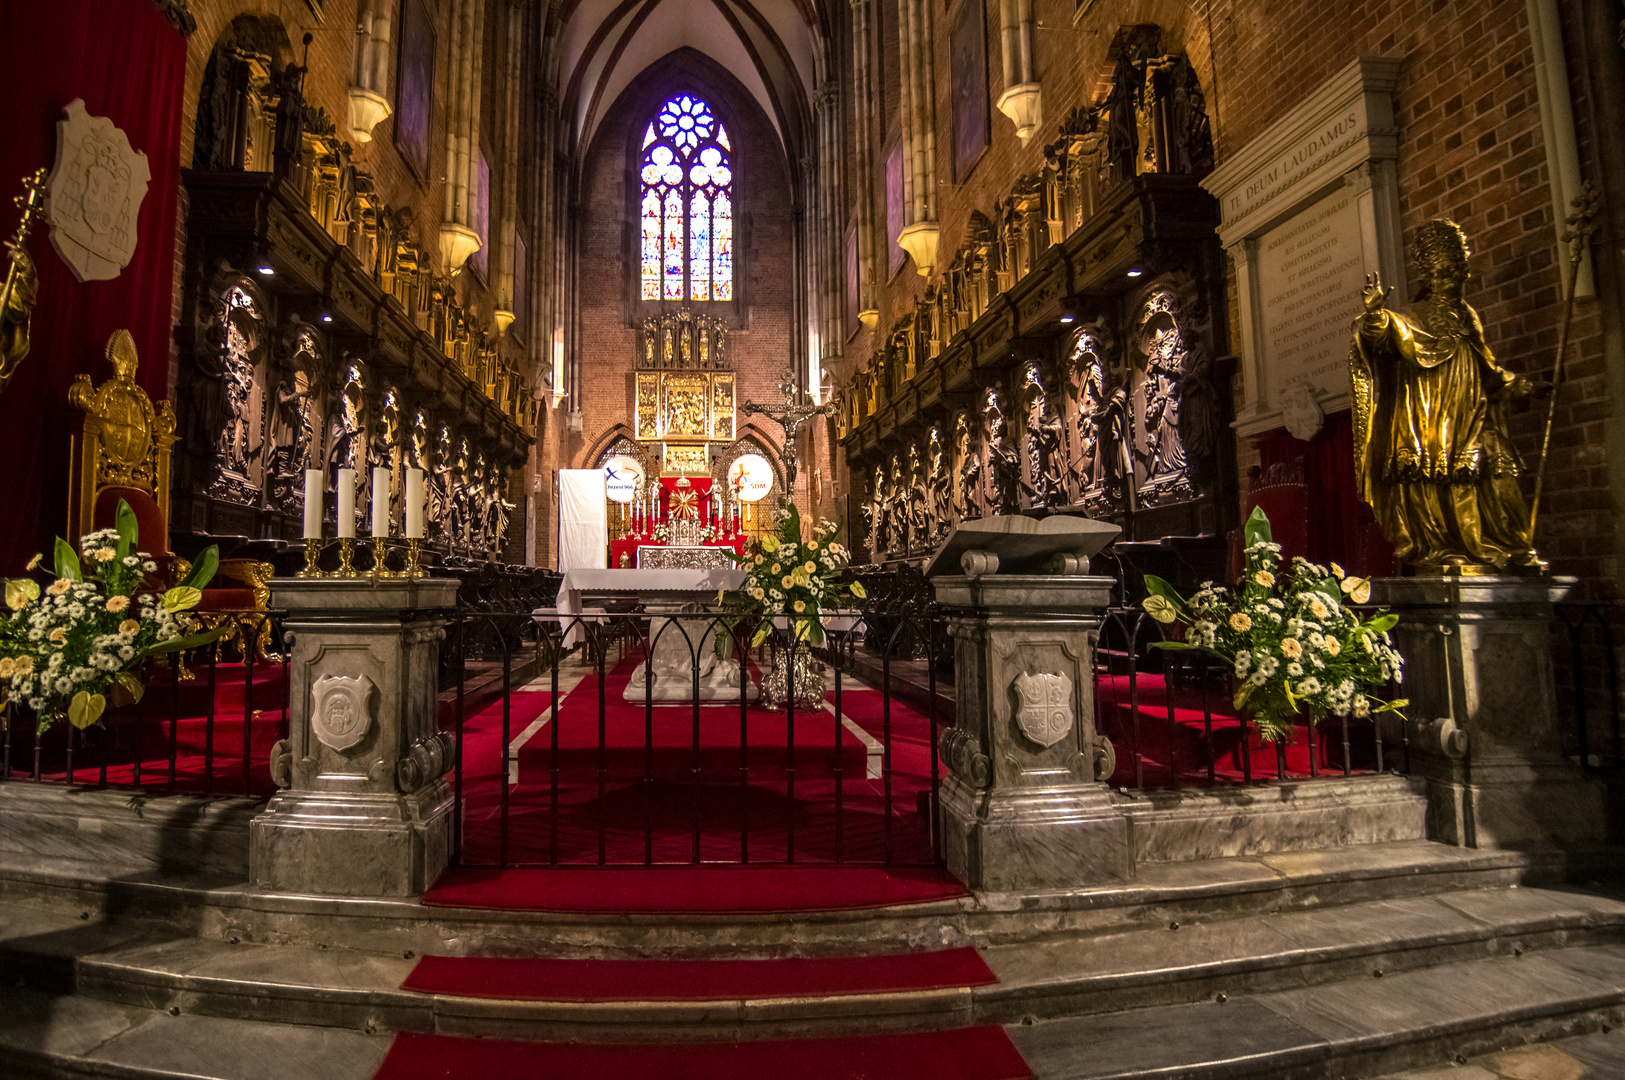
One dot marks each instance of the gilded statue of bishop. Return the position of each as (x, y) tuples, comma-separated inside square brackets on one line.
[(1432, 455)]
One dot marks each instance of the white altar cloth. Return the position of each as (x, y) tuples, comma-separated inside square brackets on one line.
[(680, 586)]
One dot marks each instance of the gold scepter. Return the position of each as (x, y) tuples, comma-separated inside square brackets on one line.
[(17, 298), (1581, 224)]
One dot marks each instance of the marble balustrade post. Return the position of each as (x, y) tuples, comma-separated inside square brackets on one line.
[(364, 809), (1482, 714), (1024, 805)]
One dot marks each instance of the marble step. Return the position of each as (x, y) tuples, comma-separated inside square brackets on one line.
[(1353, 1028), (224, 906), (158, 967), (1358, 1027)]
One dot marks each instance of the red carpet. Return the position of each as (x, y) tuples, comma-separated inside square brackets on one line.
[(695, 804), (695, 980), (699, 890), (978, 1053)]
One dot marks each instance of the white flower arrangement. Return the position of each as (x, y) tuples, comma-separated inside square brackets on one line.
[(790, 574), (1293, 641), (69, 646)]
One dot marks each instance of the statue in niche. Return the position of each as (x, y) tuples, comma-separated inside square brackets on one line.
[(1101, 421), (1003, 462), (499, 516), (439, 486), (969, 455), (1156, 114), (235, 337), (1046, 435), (879, 513), (417, 442), (345, 428), (292, 432), (386, 436), (1433, 455), (457, 497), (897, 510), (1160, 469), (918, 528), (937, 486)]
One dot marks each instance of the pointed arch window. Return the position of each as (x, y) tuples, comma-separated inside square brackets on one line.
[(686, 205)]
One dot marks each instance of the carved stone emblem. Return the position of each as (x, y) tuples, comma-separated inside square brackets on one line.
[(343, 710), (1045, 714), (1300, 411), (96, 191)]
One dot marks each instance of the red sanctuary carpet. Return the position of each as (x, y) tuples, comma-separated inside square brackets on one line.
[(1180, 728), (524, 979), (650, 785), (692, 890), (978, 1053)]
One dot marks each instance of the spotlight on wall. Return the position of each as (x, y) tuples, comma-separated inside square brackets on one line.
[(1069, 312), (327, 318), (1135, 273), (266, 271)]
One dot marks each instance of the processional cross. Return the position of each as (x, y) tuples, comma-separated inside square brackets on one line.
[(796, 411)]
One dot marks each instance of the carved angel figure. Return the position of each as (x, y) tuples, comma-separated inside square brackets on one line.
[(1432, 454)]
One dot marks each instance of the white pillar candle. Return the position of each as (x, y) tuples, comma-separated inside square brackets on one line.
[(380, 501), (346, 503), (414, 504), (313, 504)]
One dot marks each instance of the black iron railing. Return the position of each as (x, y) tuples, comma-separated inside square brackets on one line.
[(582, 753)]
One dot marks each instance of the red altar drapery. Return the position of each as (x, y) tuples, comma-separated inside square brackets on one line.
[(1342, 528), (699, 486), (129, 64)]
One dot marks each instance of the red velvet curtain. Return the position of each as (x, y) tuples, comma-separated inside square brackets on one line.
[(129, 64), (1341, 527)]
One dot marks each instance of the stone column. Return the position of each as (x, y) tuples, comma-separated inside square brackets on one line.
[(1483, 723), (1024, 805), (364, 809)]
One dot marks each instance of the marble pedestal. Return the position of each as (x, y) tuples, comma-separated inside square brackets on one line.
[(364, 809), (1023, 803), (1482, 712)]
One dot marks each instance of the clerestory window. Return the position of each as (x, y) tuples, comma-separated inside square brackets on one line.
[(687, 204)]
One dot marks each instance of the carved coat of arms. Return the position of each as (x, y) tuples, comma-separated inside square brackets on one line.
[(341, 714), (96, 191), (1045, 712)]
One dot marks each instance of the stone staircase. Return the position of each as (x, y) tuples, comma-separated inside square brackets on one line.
[(1348, 962)]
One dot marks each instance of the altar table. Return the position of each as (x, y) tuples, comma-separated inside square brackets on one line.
[(674, 586)]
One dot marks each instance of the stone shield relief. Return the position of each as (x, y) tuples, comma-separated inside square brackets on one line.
[(1044, 710), (343, 710)]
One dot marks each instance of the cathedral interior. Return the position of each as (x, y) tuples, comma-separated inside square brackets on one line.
[(983, 539)]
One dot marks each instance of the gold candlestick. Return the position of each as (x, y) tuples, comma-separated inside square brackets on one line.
[(379, 555), (346, 557), (413, 547), (313, 553)]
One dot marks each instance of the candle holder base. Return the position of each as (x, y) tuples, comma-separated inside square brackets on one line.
[(313, 554), (346, 558), (379, 557), (414, 549)]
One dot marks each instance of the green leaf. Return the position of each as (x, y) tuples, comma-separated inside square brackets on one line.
[(85, 709), (132, 686), (182, 644), (1257, 528), (127, 527), (790, 532), (1160, 608), (858, 590), (1155, 586), (762, 634), (203, 568), (1172, 645), (1382, 624), (67, 563), (182, 598), (21, 591)]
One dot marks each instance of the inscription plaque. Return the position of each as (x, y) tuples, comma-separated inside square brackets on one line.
[(1310, 271)]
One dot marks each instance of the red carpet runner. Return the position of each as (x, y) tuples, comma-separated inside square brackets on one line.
[(684, 890), (978, 1053), (695, 980)]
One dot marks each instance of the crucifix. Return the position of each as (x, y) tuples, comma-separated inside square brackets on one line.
[(796, 411)]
